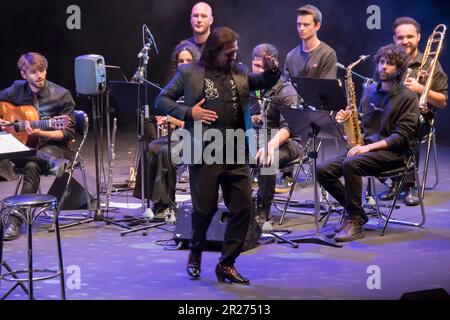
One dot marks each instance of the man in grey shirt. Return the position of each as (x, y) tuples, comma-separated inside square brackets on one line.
[(312, 58)]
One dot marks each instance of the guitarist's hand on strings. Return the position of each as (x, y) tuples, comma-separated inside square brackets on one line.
[(30, 131), (7, 129), (56, 135)]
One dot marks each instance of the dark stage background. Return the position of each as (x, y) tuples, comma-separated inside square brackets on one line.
[(113, 29)]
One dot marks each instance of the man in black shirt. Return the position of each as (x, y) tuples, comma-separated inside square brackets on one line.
[(201, 21), (287, 146), (216, 92), (407, 34), (389, 124), (50, 100)]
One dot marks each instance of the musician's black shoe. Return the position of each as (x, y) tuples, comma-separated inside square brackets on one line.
[(390, 194), (14, 229), (411, 197), (230, 273), (193, 267)]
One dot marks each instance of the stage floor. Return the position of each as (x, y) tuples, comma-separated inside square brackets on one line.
[(102, 264)]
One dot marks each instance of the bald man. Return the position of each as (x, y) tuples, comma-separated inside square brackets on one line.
[(201, 21)]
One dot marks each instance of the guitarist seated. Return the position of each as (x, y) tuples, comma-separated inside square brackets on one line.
[(48, 100)]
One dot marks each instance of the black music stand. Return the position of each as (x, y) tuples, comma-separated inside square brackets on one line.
[(323, 94), (315, 124), (319, 94)]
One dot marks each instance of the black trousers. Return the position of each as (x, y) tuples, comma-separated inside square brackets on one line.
[(236, 187), (34, 167), (288, 152), (353, 169), (161, 174)]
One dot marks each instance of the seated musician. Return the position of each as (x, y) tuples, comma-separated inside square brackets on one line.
[(389, 124), (49, 100), (288, 146), (161, 172)]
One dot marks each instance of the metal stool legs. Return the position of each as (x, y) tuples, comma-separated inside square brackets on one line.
[(28, 208)]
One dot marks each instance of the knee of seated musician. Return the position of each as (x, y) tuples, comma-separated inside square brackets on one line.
[(155, 149), (54, 151), (352, 164), (32, 167)]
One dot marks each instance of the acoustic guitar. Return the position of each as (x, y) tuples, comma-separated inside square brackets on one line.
[(11, 115)]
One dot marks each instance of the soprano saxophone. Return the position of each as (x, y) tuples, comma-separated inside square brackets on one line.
[(351, 124)]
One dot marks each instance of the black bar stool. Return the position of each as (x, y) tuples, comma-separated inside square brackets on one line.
[(28, 207)]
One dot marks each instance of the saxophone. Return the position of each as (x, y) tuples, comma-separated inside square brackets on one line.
[(351, 124)]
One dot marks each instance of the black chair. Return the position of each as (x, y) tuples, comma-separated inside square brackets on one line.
[(430, 142), (81, 129), (410, 167)]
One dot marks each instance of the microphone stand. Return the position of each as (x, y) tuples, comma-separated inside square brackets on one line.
[(367, 81), (144, 138)]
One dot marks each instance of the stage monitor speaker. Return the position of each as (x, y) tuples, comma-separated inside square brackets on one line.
[(90, 74), (76, 197), (433, 294), (216, 231)]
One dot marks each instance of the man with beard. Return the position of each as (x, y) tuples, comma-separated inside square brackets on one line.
[(407, 34), (216, 92), (49, 100), (287, 145), (389, 123), (201, 21)]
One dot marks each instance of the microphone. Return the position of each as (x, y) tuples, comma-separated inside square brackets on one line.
[(366, 79), (341, 66), (150, 37), (144, 50), (364, 57)]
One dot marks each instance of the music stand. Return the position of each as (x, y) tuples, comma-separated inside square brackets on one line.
[(315, 124), (324, 94), (11, 148)]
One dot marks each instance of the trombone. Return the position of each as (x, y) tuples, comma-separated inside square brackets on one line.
[(428, 65), (426, 71)]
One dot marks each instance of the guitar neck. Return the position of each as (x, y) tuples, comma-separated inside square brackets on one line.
[(37, 124)]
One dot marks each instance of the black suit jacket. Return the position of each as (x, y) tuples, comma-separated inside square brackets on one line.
[(189, 82)]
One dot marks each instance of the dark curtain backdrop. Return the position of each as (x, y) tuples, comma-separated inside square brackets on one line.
[(113, 29)]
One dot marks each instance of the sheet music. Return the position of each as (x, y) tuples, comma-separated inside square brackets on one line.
[(9, 144)]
